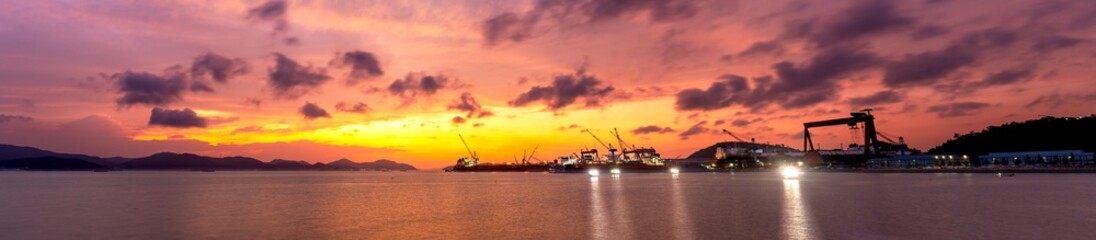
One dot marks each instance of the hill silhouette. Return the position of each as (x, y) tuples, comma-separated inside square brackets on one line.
[(49, 163), (9, 152), (184, 161), (29, 158), (1044, 134), (382, 164), (709, 152)]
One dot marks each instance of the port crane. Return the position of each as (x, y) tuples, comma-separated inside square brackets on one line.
[(525, 158), (871, 140), (612, 151), (473, 159), (734, 136), (620, 141)]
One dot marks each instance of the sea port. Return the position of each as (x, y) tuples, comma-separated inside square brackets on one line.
[(877, 152)]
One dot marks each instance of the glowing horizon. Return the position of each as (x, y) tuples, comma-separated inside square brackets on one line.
[(319, 80)]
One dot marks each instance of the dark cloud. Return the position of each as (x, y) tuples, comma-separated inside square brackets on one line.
[(516, 27), (271, 11), (467, 103), (863, 19), (459, 120), (170, 86), (248, 129), (1052, 101), (508, 27), (1006, 77), (927, 32), (312, 111), (358, 107), (720, 94), (741, 122), (926, 68), (176, 118), (699, 128), (745, 122), (217, 68), (1053, 43), (17, 102), (957, 109), (988, 39), (797, 85), (255, 102), (415, 85), (565, 128), (363, 66), (881, 97), (149, 89), (290, 80), (763, 48), (652, 129), (11, 118), (566, 90), (808, 84), (291, 41)]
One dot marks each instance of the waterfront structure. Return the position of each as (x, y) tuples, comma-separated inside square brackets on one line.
[(1060, 158), (906, 161), (920, 161)]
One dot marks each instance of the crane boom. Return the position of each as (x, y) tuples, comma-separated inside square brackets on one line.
[(470, 153), (732, 135), (620, 141), (886, 138), (532, 153), (598, 139)]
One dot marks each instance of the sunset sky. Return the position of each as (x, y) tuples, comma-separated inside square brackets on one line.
[(365, 80)]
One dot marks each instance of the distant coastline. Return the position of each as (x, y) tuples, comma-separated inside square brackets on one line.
[(33, 159)]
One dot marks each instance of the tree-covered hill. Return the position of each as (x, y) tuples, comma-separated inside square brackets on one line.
[(1048, 133)]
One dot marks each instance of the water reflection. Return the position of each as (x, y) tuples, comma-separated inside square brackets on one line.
[(598, 221), (682, 226), (796, 219), (609, 217), (620, 219)]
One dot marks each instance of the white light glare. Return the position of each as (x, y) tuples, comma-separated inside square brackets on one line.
[(791, 172)]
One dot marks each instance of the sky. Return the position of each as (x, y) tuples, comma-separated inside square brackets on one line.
[(365, 80)]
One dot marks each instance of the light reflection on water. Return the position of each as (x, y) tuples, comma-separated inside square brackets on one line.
[(683, 228), (599, 222), (360, 205), (796, 220)]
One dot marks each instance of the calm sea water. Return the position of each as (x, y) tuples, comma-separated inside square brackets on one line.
[(372, 205)]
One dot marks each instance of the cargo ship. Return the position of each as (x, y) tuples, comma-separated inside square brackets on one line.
[(471, 163)]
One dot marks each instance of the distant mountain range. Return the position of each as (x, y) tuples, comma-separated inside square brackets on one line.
[(29, 158)]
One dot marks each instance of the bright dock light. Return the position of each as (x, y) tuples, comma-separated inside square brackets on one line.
[(594, 172), (675, 170), (791, 172), (615, 171)]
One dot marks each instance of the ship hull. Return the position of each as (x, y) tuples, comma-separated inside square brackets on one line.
[(503, 168), (624, 168)]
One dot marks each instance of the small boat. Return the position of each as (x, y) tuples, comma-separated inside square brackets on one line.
[(1000, 174)]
